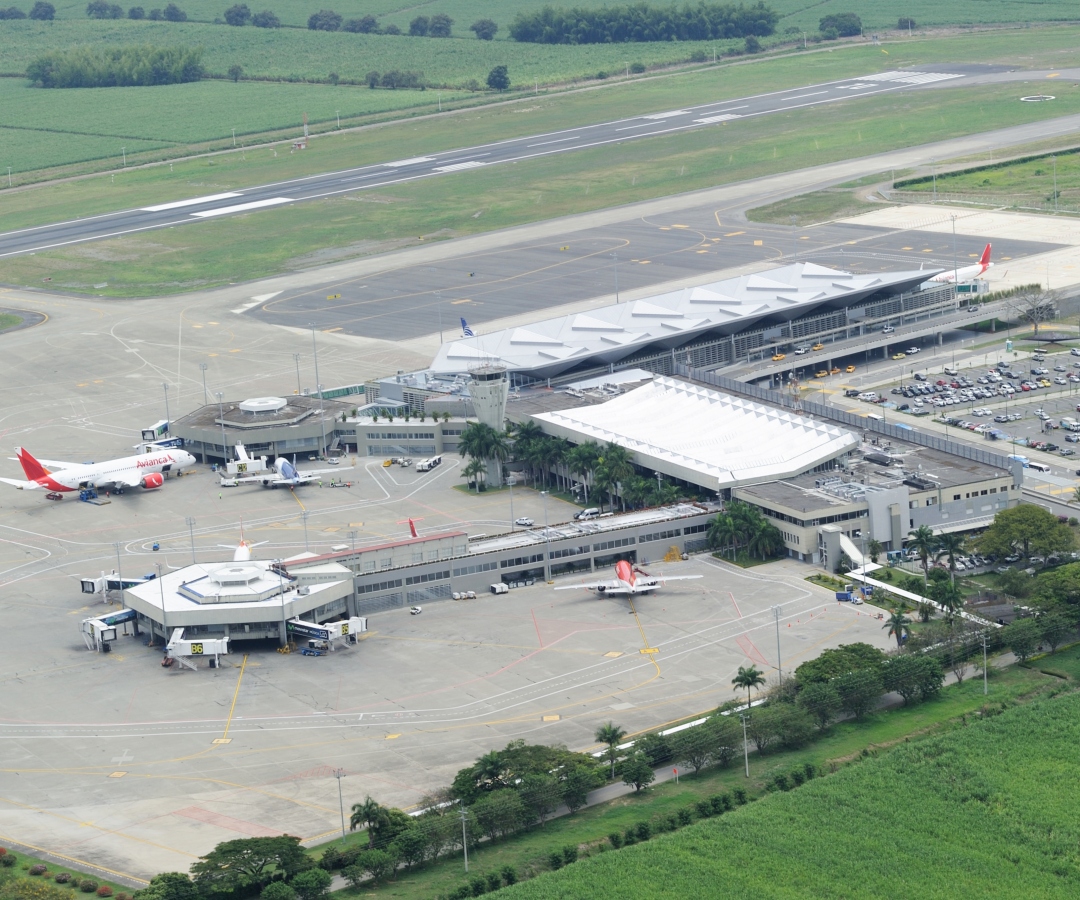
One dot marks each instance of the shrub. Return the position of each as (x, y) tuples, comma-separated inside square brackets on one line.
[(555, 860), (391, 29), (810, 770), (478, 885), (740, 796), (120, 895), (173, 13), (643, 831), (265, 19), (460, 893), (87, 886), (494, 881), (905, 22), (324, 20), (684, 816), (844, 24), (698, 56), (238, 15), (637, 68), (720, 803), (364, 25), (8, 860), (509, 875), (64, 878), (440, 25), (569, 854), (46, 12), (704, 809), (484, 29), (629, 836), (752, 44), (798, 777), (615, 839), (136, 12), (38, 869), (104, 891), (12, 12), (780, 782)]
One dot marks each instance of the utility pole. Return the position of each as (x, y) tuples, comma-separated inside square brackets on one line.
[(776, 615), (296, 357), (794, 239), (191, 533), (1054, 159), (616, 256), (339, 774), (221, 421), (304, 516), (168, 426), (119, 574), (123, 150), (744, 717), (318, 386), (464, 838), (352, 537), (986, 687), (9, 176), (205, 401), (933, 172)]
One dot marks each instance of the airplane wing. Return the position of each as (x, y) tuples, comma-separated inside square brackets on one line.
[(266, 477), (310, 474), (663, 578), (21, 485), (610, 586)]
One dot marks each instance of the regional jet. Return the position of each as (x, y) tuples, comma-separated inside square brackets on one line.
[(966, 273), (283, 473), (627, 582)]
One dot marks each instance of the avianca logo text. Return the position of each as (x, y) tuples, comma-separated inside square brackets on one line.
[(158, 461)]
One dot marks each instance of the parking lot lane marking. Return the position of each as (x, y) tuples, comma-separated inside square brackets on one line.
[(236, 693)]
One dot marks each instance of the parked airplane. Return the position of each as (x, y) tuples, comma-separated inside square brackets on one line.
[(626, 581), (284, 473), (242, 551), (116, 475), (965, 273)]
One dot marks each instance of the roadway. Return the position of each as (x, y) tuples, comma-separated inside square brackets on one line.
[(381, 175)]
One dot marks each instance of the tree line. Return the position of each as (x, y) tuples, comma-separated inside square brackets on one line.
[(116, 67), (643, 22), (743, 527), (42, 11), (100, 9)]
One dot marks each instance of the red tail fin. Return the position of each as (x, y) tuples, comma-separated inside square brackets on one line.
[(33, 469), (412, 528), (984, 260)]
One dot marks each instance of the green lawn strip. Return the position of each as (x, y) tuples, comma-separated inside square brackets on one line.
[(24, 862), (9, 320), (250, 246), (986, 810), (698, 85), (843, 742), (812, 208)]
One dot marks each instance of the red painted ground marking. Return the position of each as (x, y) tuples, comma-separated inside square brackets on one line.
[(748, 648), (226, 822), (536, 625), (732, 596)]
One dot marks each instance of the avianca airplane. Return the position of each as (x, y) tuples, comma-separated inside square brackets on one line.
[(627, 582), (283, 473), (966, 273), (144, 470)]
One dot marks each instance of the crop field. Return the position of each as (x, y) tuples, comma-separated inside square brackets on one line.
[(42, 128), (989, 810), (874, 13), (254, 245)]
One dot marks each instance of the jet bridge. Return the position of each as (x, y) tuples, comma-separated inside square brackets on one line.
[(100, 631), (185, 651)]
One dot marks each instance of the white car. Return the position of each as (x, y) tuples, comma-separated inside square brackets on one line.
[(524, 521), (911, 350)]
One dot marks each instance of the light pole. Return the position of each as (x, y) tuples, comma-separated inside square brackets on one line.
[(339, 774), (547, 541), (1054, 160), (221, 421), (352, 537), (464, 838), (9, 176), (776, 615), (164, 618), (616, 258), (513, 521), (168, 426), (933, 171), (205, 401), (659, 487), (318, 386), (985, 687), (123, 150), (276, 564), (296, 357), (304, 516), (956, 295), (794, 239), (191, 534), (120, 574), (744, 718)]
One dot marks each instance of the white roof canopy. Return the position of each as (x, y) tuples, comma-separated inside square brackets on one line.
[(712, 439)]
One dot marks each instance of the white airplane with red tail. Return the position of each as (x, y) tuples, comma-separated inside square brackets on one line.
[(965, 273), (628, 580), (145, 470)]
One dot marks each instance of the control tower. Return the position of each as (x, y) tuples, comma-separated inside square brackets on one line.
[(488, 388)]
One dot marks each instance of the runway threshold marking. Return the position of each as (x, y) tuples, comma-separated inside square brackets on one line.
[(236, 694)]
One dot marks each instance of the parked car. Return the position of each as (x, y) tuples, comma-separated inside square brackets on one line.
[(524, 521)]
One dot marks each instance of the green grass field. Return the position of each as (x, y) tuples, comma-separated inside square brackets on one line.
[(84, 129), (842, 743), (248, 246), (874, 13), (9, 320), (988, 810)]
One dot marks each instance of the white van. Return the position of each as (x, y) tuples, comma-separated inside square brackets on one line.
[(949, 370), (591, 513), (868, 396), (1039, 467)]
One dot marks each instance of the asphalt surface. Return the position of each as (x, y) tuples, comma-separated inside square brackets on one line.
[(530, 277), (61, 234)]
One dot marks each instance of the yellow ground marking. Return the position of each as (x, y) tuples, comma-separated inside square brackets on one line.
[(356, 524), (907, 248), (331, 529), (391, 737), (211, 323), (701, 251), (297, 499), (333, 296), (73, 859), (459, 302), (1054, 75), (613, 654), (648, 650), (550, 718), (236, 351), (758, 243), (221, 741), (643, 262), (236, 693), (680, 226), (733, 233), (117, 774), (331, 330)]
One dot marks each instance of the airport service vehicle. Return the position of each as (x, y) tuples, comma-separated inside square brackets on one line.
[(147, 470), (524, 521), (284, 473), (965, 273), (626, 581)]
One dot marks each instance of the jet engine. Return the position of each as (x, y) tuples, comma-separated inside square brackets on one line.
[(153, 480)]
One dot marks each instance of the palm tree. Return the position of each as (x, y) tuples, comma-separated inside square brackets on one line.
[(950, 545), (582, 461), (619, 466), (637, 489), (765, 539), (481, 441), (873, 550), (367, 814), (898, 625), (723, 532), (472, 471), (490, 770), (611, 735), (748, 678), (923, 542), (1076, 495)]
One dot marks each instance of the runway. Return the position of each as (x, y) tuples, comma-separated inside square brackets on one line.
[(408, 169)]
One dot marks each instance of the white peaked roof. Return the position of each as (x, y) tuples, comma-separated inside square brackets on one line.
[(612, 333), (712, 439)]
